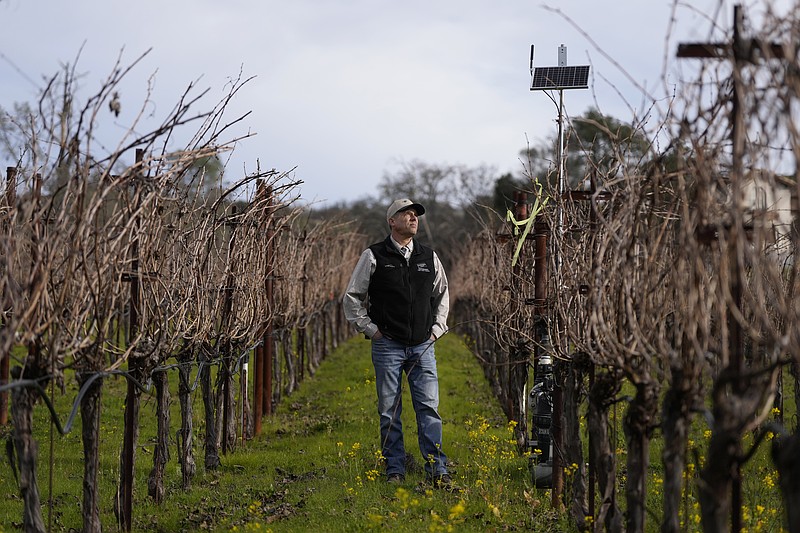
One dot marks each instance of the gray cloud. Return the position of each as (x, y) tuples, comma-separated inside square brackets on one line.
[(344, 88)]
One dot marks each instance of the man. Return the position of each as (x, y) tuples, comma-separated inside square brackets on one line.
[(398, 297)]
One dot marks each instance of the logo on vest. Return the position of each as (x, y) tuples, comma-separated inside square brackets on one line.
[(422, 267)]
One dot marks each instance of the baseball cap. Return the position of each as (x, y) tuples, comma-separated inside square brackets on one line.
[(402, 205)]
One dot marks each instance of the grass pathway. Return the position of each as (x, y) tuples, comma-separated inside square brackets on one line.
[(315, 466)]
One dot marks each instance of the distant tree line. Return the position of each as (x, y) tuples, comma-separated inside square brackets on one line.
[(463, 201)]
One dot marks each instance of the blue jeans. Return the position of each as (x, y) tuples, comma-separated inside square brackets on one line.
[(391, 359)]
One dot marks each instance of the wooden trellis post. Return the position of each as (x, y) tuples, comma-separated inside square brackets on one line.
[(740, 51), (269, 333), (592, 195), (519, 356), (227, 311), (265, 352), (258, 355), (302, 356), (125, 489), (5, 359)]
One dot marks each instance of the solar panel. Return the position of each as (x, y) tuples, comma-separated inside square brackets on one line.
[(560, 78)]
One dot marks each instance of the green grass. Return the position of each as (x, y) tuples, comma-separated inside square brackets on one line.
[(313, 468)]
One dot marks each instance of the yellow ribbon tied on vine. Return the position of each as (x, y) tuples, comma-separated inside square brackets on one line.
[(528, 222)]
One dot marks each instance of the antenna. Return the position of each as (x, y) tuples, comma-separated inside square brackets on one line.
[(531, 60)]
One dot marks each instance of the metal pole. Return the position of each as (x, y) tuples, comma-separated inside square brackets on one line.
[(558, 393), (562, 181)]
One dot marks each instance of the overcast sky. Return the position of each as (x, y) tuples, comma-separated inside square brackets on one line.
[(346, 90)]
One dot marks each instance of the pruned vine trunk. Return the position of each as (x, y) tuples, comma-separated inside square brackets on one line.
[(221, 407), (675, 424), (90, 433), (124, 496), (602, 454), (186, 433), (492, 366), (301, 352), (786, 456), (503, 359), (27, 450), (316, 341), (721, 465), (155, 482), (212, 461), (230, 420), (573, 447), (274, 395), (291, 375), (639, 423)]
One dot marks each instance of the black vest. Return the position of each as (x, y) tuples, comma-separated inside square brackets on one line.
[(400, 302)]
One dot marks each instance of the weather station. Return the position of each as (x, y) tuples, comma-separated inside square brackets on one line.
[(545, 400)]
